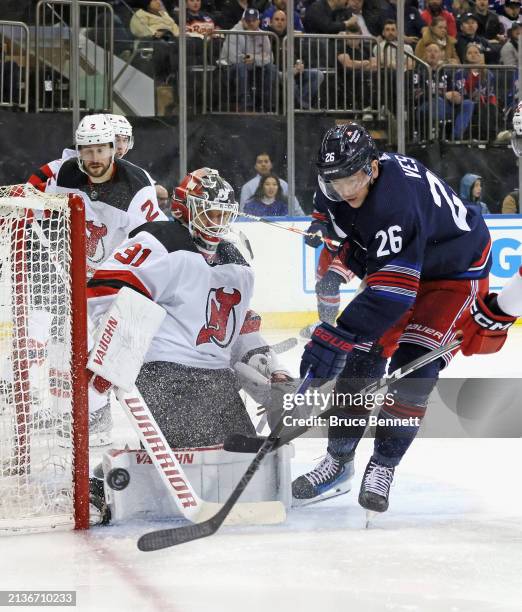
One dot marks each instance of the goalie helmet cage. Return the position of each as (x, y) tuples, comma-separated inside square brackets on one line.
[(44, 438)]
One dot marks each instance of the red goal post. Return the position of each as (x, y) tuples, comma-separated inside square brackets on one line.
[(44, 439)]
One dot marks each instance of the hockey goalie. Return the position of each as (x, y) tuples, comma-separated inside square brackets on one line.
[(171, 308)]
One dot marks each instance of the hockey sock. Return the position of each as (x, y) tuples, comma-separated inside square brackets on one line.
[(361, 367), (403, 417)]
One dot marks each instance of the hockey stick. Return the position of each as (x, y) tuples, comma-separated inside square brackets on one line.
[(328, 241), (284, 345), (239, 443), (163, 538), (191, 506)]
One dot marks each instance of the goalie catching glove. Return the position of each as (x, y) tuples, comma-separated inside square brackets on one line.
[(122, 339), (257, 372)]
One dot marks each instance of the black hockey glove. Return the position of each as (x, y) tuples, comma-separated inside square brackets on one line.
[(316, 227)]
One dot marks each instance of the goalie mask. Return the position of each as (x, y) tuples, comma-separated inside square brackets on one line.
[(516, 134), (91, 131), (206, 203)]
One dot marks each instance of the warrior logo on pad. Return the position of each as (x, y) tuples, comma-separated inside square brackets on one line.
[(220, 317)]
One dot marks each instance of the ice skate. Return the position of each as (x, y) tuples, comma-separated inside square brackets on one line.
[(375, 488), (332, 477)]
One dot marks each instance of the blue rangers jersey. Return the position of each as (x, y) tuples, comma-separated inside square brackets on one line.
[(412, 226)]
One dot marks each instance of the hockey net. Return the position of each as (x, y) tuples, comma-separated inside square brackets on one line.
[(43, 408)]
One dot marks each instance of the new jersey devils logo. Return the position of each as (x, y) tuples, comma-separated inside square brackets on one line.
[(220, 317), (94, 246)]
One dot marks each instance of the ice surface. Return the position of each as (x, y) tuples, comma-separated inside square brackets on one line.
[(450, 542)]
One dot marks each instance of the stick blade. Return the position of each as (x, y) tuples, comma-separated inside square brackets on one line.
[(164, 538), (257, 513)]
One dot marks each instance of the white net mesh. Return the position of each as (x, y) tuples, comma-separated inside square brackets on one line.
[(36, 457)]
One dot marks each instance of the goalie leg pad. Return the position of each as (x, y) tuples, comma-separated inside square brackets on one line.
[(134, 490), (123, 337)]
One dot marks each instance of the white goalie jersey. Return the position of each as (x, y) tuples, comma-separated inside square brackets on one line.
[(207, 304)]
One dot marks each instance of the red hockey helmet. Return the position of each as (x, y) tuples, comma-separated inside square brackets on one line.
[(206, 203)]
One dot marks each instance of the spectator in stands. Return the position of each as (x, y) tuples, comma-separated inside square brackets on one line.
[(468, 34), (510, 203), (199, 25), (250, 58), (152, 22), (279, 5), (387, 48), (327, 17), (471, 190), (509, 14), (489, 26), (461, 7), (231, 12), (509, 51), (268, 199), (263, 167), (413, 22), (478, 85), (446, 100), (374, 13), (164, 200), (434, 9), (123, 39), (307, 80), (437, 33), (361, 83), (356, 9), (489, 23)]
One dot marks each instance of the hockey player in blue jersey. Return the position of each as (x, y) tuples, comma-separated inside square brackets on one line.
[(425, 257), (330, 272)]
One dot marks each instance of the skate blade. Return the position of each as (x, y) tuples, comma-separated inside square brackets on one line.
[(370, 515), (335, 492)]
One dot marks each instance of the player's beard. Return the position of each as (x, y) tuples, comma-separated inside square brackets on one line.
[(99, 170)]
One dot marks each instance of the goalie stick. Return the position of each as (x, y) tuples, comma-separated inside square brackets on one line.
[(163, 538), (239, 443), (191, 506)]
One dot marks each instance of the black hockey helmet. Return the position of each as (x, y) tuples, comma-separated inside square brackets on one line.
[(345, 149)]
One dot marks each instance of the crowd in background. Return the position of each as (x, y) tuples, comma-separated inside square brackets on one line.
[(438, 32)]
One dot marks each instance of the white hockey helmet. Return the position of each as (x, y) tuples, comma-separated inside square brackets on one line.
[(93, 130), (516, 134), (122, 127)]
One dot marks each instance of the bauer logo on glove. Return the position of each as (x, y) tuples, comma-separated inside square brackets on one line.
[(326, 352)]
